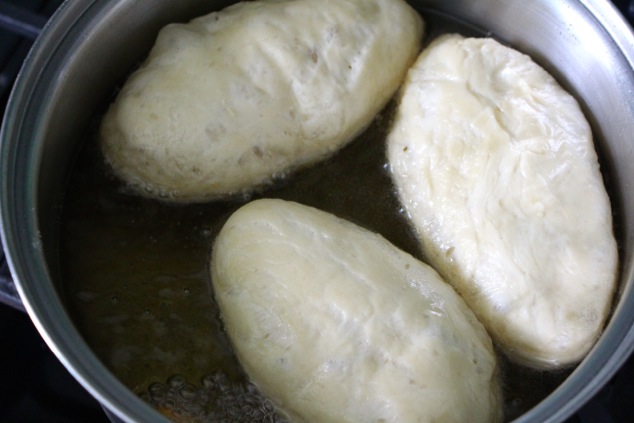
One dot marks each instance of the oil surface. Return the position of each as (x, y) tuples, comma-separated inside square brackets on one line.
[(137, 278)]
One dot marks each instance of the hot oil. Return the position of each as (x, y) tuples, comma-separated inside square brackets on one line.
[(137, 276), (138, 285), (137, 272)]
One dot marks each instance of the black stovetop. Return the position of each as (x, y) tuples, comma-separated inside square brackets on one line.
[(35, 387)]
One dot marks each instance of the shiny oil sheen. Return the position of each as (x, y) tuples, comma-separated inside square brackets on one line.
[(118, 286)]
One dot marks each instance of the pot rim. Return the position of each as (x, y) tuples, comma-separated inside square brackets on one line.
[(26, 259), (22, 244)]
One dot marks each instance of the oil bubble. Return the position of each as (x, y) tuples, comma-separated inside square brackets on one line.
[(215, 399)]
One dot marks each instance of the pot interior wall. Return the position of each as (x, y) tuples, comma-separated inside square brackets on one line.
[(91, 46), (101, 42)]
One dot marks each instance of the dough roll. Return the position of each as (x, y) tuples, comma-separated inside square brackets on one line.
[(495, 165), (335, 324), (234, 99)]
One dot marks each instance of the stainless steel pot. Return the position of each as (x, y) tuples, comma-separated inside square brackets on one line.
[(89, 46)]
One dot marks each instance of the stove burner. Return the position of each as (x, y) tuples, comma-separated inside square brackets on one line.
[(21, 21), (8, 293)]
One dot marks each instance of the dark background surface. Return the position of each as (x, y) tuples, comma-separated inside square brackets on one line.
[(35, 387)]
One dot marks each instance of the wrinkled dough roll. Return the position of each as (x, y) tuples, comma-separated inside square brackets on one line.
[(335, 324), (235, 98), (495, 165)]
